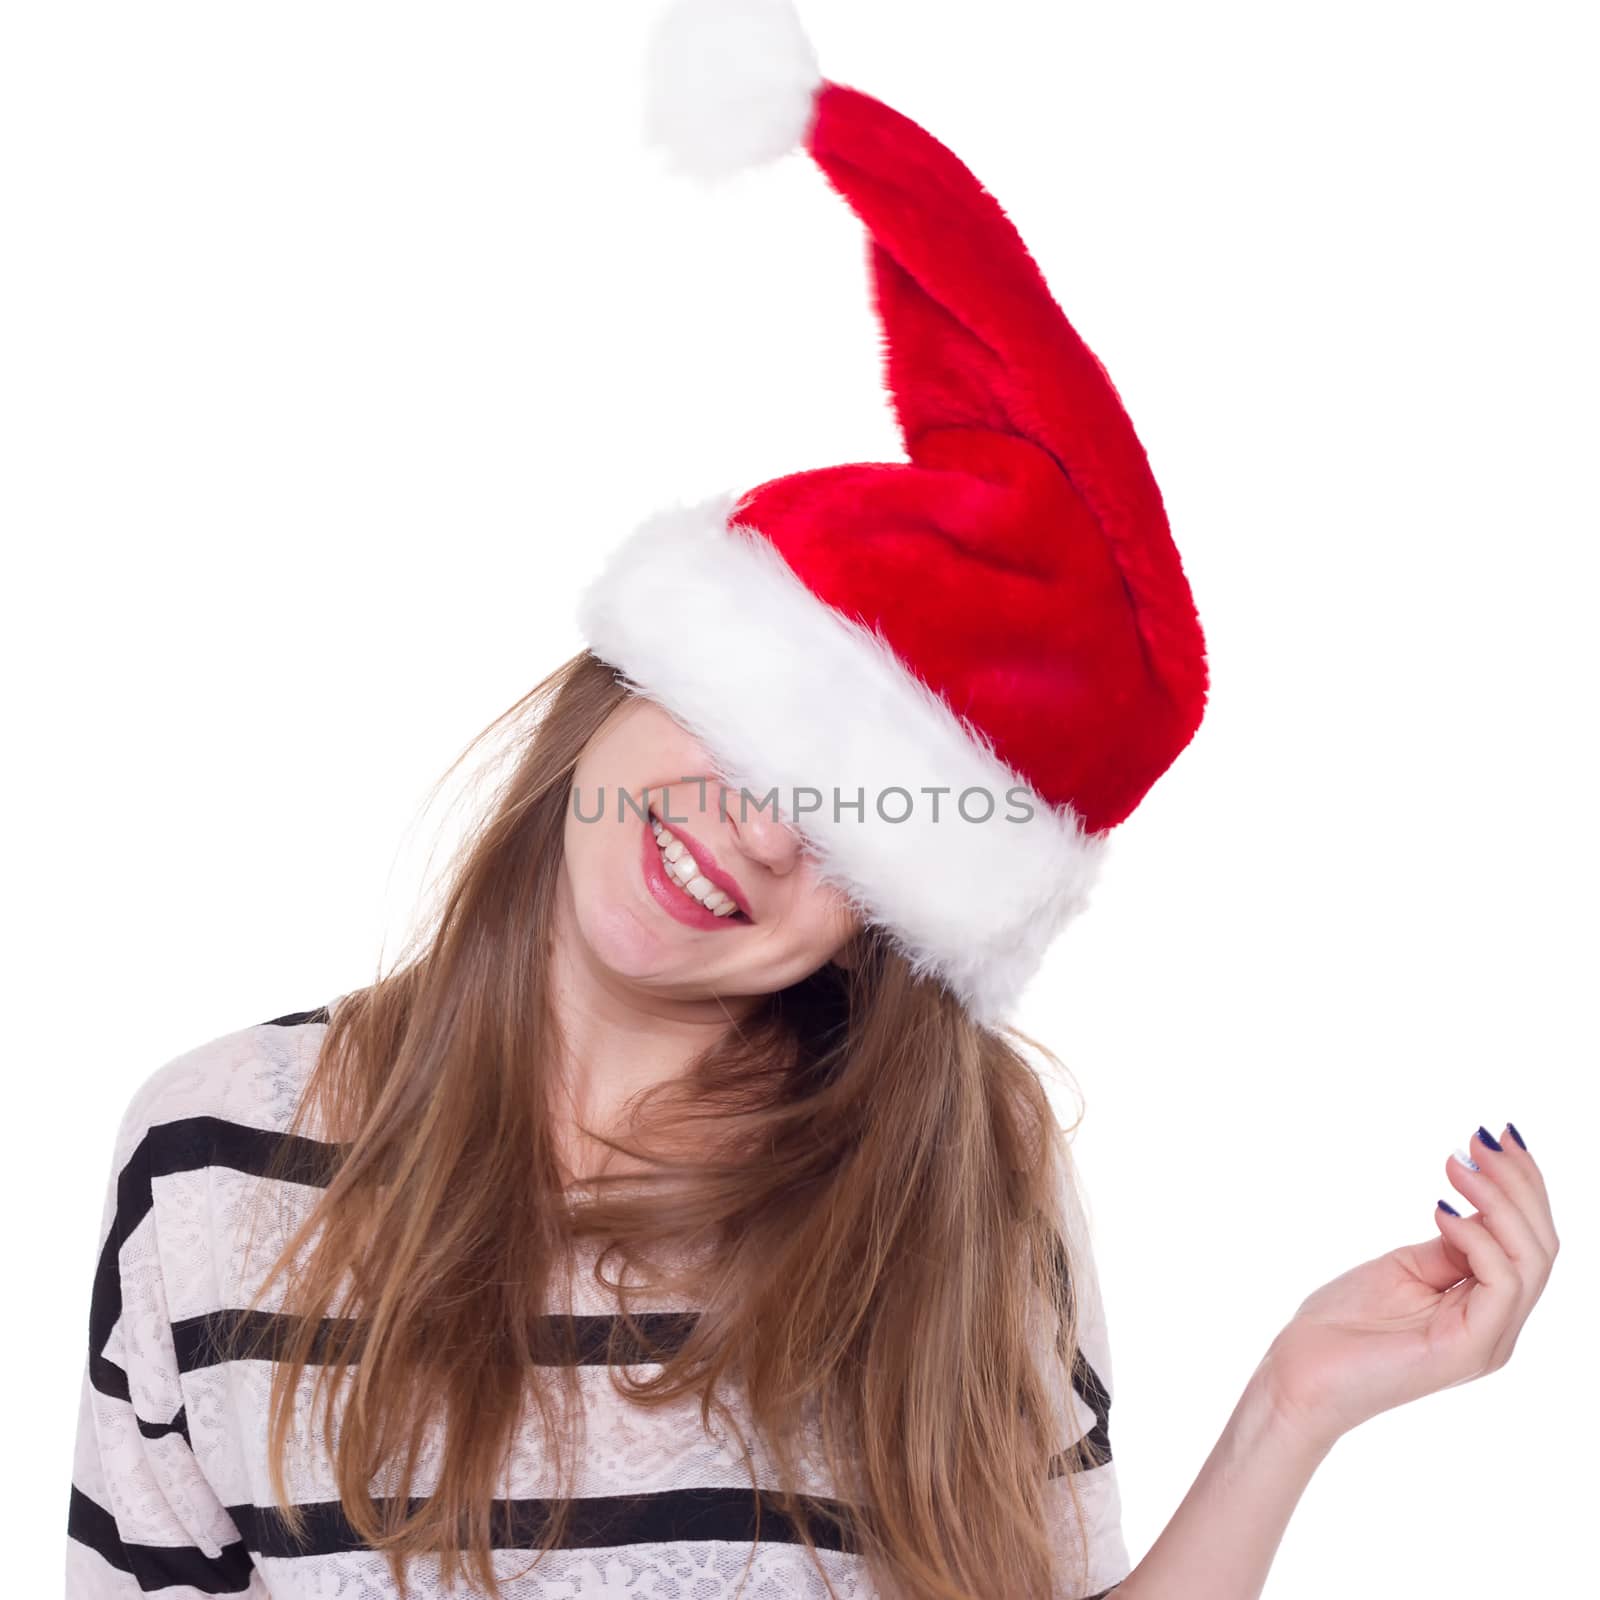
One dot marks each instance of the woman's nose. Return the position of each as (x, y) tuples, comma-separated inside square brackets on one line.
[(764, 838)]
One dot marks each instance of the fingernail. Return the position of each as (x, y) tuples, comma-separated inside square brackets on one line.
[(1466, 1160), (1511, 1128), (1450, 1208), (1488, 1138)]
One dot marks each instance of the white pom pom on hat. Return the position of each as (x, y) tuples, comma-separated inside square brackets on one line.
[(729, 84)]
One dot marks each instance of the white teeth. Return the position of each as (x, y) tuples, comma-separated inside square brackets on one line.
[(684, 871)]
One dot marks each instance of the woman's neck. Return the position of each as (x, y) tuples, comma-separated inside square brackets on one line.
[(619, 1039)]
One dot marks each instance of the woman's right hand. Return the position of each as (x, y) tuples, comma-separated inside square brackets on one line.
[(1426, 1316)]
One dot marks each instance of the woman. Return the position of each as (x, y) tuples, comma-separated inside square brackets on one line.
[(681, 1216)]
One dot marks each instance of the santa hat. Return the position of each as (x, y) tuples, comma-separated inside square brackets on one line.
[(1004, 614)]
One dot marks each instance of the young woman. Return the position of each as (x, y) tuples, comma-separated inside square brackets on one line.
[(680, 1216)]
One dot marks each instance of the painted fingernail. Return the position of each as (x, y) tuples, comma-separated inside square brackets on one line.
[(1445, 1205), (1466, 1160), (1511, 1128), (1488, 1138)]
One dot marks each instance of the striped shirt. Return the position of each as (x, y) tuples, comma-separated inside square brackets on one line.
[(170, 1493)]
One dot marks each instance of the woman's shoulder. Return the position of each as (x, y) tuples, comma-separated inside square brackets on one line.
[(250, 1078)]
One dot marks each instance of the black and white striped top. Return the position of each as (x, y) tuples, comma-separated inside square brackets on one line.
[(170, 1493)]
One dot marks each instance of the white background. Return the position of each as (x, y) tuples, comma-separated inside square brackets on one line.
[(337, 343)]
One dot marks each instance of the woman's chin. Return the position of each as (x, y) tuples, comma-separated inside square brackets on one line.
[(641, 944)]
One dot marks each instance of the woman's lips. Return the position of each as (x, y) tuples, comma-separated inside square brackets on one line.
[(708, 864), (677, 901)]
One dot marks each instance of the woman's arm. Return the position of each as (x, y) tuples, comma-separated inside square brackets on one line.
[(1422, 1318), (142, 1516), (1221, 1540)]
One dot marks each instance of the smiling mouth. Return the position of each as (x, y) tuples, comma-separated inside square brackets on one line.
[(687, 874)]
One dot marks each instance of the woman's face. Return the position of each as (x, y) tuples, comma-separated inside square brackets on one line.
[(731, 905)]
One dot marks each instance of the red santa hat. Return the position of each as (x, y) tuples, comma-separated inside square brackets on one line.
[(1002, 614)]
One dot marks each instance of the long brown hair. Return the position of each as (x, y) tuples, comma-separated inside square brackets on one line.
[(877, 1251)]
